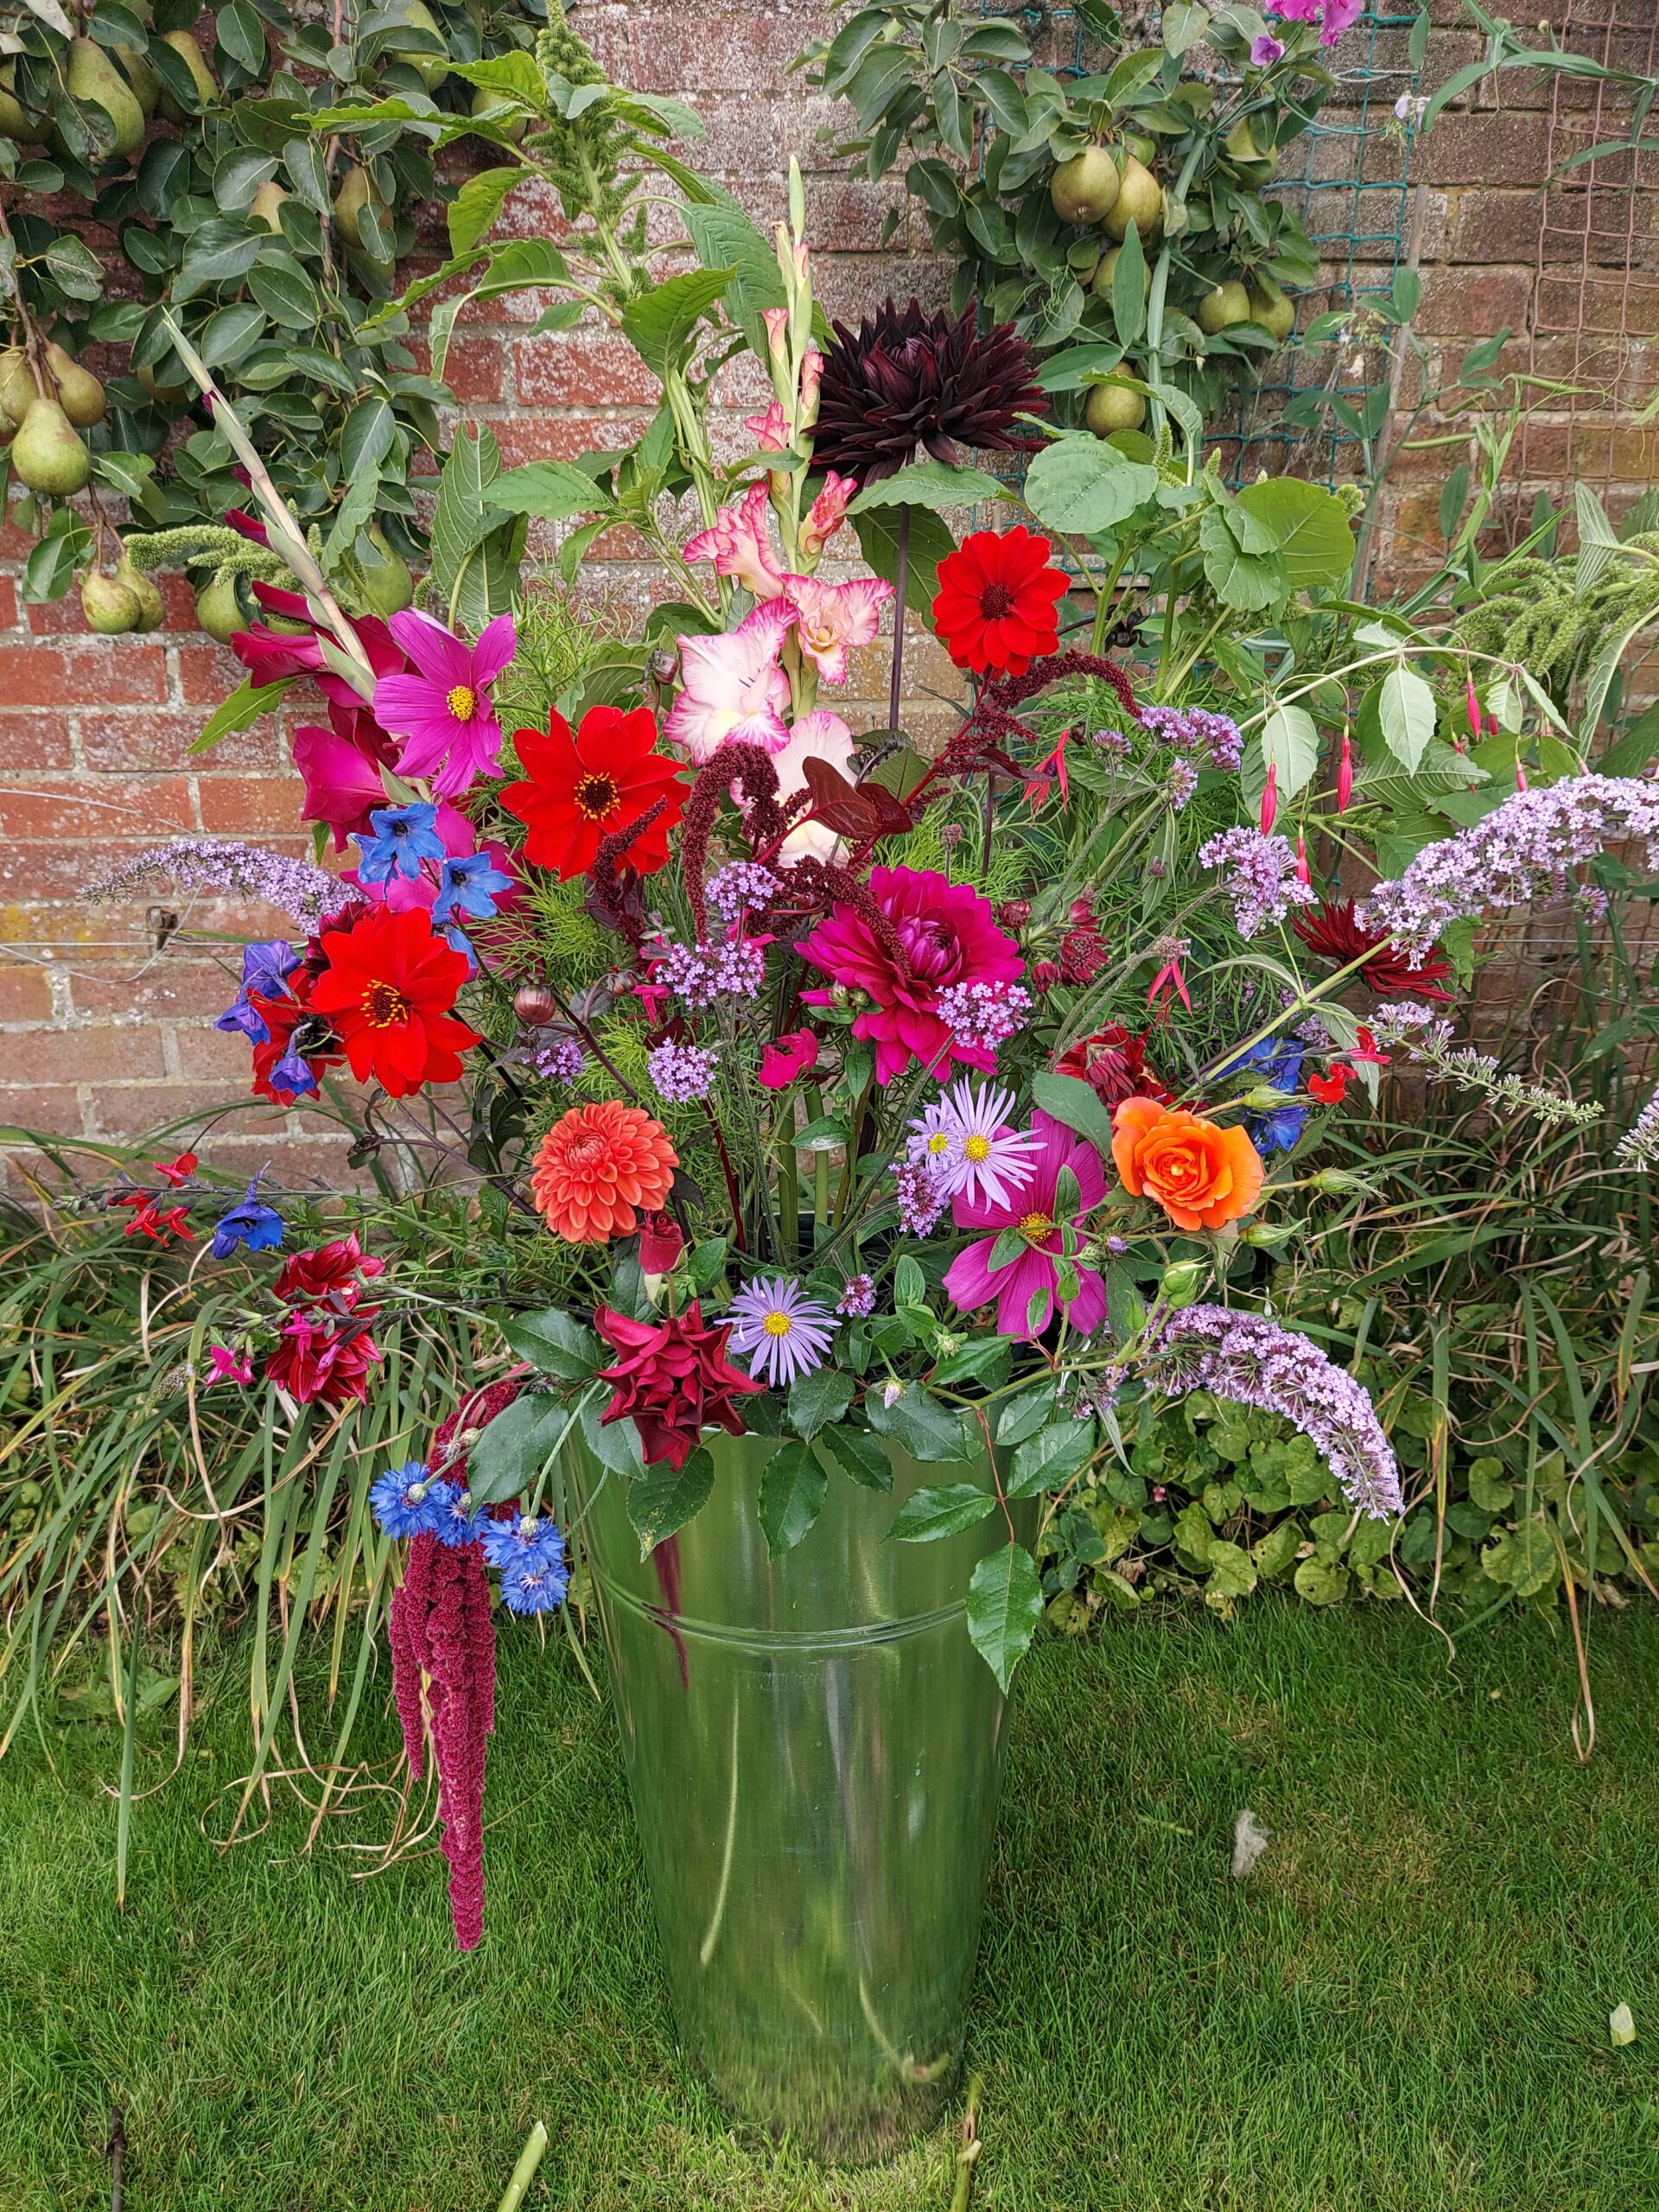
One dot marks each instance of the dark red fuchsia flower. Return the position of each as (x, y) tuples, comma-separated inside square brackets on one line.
[(1331, 932), (920, 935), (673, 1380), (1113, 1063), (390, 990), (998, 601), (578, 789)]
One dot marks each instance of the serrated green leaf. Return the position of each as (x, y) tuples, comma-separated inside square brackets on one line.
[(928, 484), (1073, 1102), (926, 1428), (793, 1486), (1023, 1416), (555, 1342), (660, 1500), (1005, 1602), (856, 1454), (552, 490), (513, 1448), (241, 710), (927, 1516), (659, 325), (818, 1398), (1052, 1457)]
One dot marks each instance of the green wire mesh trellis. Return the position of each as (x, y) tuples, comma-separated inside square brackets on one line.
[(1347, 178)]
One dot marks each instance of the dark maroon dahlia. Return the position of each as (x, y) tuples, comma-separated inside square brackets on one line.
[(1331, 932), (905, 379)]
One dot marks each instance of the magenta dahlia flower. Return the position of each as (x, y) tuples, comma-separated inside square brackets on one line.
[(1030, 1209), (443, 709), (945, 935)]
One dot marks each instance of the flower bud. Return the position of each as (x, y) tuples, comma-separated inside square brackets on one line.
[(1337, 1181), (1181, 1282), (1261, 1233), (1013, 914), (534, 1005), (665, 665), (1271, 799), (1345, 775), (1045, 975)]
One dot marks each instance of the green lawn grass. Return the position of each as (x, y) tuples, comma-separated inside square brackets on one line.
[(1405, 2006)]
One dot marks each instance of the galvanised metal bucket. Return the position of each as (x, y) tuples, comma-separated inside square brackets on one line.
[(813, 1748)]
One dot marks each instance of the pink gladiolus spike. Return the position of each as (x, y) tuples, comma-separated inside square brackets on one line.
[(739, 543), (831, 618), (1345, 775), (770, 431), (1271, 799)]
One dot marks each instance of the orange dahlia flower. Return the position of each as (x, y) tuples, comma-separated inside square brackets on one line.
[(1203, 1177), (598, 1167)]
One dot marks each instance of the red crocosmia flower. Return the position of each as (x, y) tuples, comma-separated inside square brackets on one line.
[(389, 989), (673, 1380), (996, 607), (578, 791), (1329, 1089), (1113, 1063), (330, 1365), (1332, 932), (178, 1171), (788, 1058), (330, 1274)]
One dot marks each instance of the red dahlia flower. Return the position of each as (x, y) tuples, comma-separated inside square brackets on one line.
[(997, 602), (1113, 1063), (672, 1381), (389, 988), (332, 1274), (945, 934), (1332, 932), (581, 789), (330, 1365)]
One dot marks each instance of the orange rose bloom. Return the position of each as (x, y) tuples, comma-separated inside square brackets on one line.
[(1203, 1177), (599, 1165)]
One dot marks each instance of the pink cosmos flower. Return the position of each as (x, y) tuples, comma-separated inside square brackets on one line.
[(739, 543), (946, 934), (733, 687), (444, 709), (830, 618), (787, 1059), (341, 767), (818, 736), (826, 514), (770, 432), (1031, 1208)]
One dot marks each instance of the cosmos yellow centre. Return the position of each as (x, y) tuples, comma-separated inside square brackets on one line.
[(384, 1004), (462, 703), (1035, 1225), (976, 1148), (777, 1324)]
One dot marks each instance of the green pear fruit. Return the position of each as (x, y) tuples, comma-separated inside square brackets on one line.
[(219, 610), (1110, 407), (146, 85), (1139, 200), (266, 207), (168, 393), (1219, 310), (385, 581), (79, 393), (512, 120), (15, 121), (94, 80), (1108, 270), (47, 453), (431, 68), (1254, 162), (1273, 310), (109, 606), (356, 192), (18, 389), (201, 76), (1082, 188), (152, 609)]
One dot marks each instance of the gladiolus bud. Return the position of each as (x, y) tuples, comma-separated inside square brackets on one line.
[(811, 377), (1270, 800), (776, 323), (1345, 775)]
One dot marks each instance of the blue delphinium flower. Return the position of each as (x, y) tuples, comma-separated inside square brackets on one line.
[(257, 1225), (1280, 1131), (293, 1073), (264, 967), (510, 1543), (1278, 1059), (407, 1501), (468, 884), (402, 836), (535, 1585)]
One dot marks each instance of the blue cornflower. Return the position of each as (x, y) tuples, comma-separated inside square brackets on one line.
[(535, 1585), (1280, 1131), (408, 1500), (257, 1226), (521, 1540), (456, 1524), (469, 884), (403, 837), (264, 965)]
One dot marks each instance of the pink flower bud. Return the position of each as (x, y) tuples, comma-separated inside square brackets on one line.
[(1345, 775), (1270, 800), (1520, 776), (1302, 873), (1473, 707), (776, 323)]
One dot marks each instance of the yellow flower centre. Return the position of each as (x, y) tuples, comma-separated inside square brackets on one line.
[(384, 1004), (596, 796), (938, 1142), (1035, 1225), (777, 1324), (976, 1148), (462, 703)]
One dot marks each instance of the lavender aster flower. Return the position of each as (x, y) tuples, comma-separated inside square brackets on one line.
[(922, 1197), (682, 1072), (407, 1501), (984, 1015), (1251, 1360), (857, 1298), (1261, 877), (396, 842), (1525, 849), (562, 1061), (784, 1333), (967, 1143), (701, 974), (197, 864), (744, 887)]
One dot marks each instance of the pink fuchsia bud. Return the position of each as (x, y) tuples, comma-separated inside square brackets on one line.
[(1491, 726), (1270, 800), (1472, 706), (1520, 776), (1302, 873), (1345, 775)]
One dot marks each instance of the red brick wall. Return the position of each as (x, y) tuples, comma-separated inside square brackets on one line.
[(100, 1037)]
